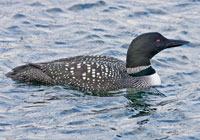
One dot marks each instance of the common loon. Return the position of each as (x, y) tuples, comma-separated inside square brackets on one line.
[(101, 73)]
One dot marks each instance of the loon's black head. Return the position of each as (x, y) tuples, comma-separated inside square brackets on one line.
[(145, 46)]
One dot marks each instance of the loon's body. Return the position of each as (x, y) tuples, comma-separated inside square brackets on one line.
[(98, 73), (101, 73)]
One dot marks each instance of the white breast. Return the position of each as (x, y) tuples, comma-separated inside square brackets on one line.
[(153, 80)]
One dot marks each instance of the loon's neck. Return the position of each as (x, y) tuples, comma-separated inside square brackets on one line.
[(139, 70), (146, 73)]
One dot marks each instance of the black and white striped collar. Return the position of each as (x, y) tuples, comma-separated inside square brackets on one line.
[(141, 71), (136, 69)]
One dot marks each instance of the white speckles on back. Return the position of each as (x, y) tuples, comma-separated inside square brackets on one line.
[(78, 65), (89, 66), (84, 74), (106, 69), (106, 74), (72, 72), (97, 65), (98, 73)]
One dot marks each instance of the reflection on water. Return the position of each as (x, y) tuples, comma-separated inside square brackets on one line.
[(140, 101)]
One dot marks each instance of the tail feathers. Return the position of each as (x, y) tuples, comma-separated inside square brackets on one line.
[(16, 72), (23, 67), (30, 73), (12, 75)]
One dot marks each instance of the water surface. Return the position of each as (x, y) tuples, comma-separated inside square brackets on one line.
[(39, 31)]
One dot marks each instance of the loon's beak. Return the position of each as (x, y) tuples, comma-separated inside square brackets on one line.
[(175, 43)]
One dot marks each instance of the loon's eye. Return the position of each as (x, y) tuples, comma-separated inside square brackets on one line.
[(158, 40)]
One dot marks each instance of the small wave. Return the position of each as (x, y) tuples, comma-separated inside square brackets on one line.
[(108, 22), (92, 36), (18, 16), (137, 14), (99, 30), (54, 10), (97, 42), (183, 5), (36, 4), (78, 7), (157, 11), (110, 9), (41, 26), (125, 46), (110, 36), (26, 22), (13, 28), (147, 13), (60, 43)]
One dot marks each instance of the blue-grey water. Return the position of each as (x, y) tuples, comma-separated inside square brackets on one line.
[(39, 31)]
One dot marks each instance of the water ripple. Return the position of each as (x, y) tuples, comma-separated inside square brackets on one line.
[(78, 7), (54, 10), (37, 4), (40, 31), (19, 16)]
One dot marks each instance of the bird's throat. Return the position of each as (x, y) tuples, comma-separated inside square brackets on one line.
[(141, 71)]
